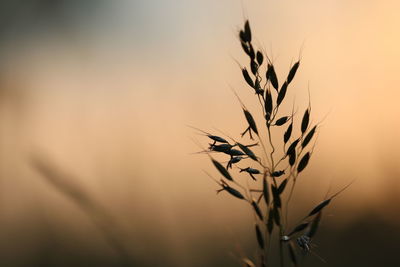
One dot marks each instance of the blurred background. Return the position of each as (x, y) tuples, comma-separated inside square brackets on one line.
[(100, 93)]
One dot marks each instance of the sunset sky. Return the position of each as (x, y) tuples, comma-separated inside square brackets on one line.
[(105, 91)]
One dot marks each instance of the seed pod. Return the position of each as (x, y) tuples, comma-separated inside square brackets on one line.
[(271, 76), (222, 170), (319, 207), (303, 162), (277, 173), (247, 31), (282, 93), (217, 138), (314, 225), (292, 254), (247, 77), (266, 191), (260, 238), (299, 228), (253, 67), (305, 120), (232, 191), (308, 137), (288, 133), (268, 104), (260, 58), (257, 209), (247, 151), (293, 71), (250, 121), (281, 121), (277, 197), (270, 223), (282, 186)]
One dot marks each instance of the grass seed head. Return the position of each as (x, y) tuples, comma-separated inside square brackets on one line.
[(248, 151), (276, 196), (265, 191), (293, 71), (247, 31), (217, 138), (299, 228), (260, 58), (253, 67), (308, 137), (282, 121), (247, 77), (303, 162), (305, 121), (271, 76), (260, 238), (222, 170), (250, 121), (231, 191), (268, 104), (257, 209), (319, 207), (314, 225), (282, 93), (288, 133), (282, 186), (292, 147), (277, 173)]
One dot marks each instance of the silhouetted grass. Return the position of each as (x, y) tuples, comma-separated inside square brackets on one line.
[(273, 172)]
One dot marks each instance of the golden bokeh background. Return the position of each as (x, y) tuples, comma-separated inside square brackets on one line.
[(104, 91)]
